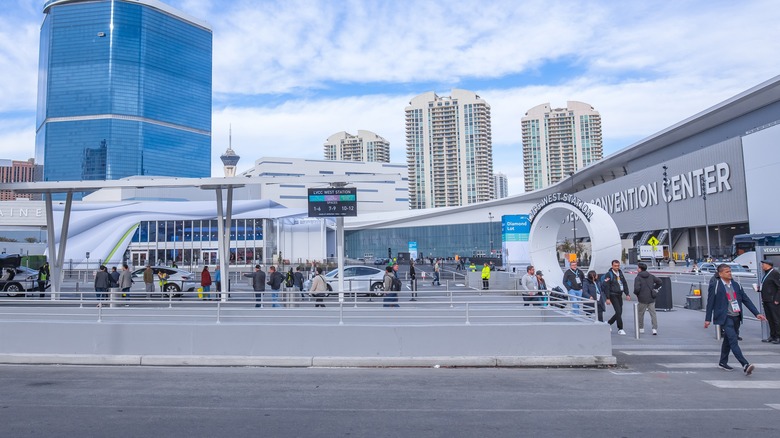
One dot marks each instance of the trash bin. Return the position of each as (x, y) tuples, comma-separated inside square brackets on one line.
[(693, 302), (664, 299)]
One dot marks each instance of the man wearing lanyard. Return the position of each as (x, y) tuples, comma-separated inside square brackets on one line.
[(724, 307), (770, 296), (615, 286), (573, 279)]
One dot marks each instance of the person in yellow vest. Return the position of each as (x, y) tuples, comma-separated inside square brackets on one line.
[(485, 277), (473, 267), (163, 276)]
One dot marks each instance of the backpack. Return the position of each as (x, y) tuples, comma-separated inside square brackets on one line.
[(289, 280), (396, 286)]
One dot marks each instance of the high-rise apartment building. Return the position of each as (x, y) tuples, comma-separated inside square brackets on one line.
[(124, 88), (365, 146), (500, 185), (12, 171), (557, 142), (449, 150)]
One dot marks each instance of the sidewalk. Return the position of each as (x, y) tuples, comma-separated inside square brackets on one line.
[(678, 328)]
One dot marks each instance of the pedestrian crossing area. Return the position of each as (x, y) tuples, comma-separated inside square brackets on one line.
[(704, 364)]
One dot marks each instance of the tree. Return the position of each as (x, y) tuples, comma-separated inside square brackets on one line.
[(30, 240)]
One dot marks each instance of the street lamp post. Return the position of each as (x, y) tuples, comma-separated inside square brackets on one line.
[(703, 187), (490, 230), (574, 218), (668, 215)]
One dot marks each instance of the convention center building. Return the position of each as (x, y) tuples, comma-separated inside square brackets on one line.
[(711, 175)]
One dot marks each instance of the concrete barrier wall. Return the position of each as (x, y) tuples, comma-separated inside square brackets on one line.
[(586, 343)]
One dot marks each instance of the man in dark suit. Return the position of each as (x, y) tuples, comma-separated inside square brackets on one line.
[(770, 296), (724, 307)]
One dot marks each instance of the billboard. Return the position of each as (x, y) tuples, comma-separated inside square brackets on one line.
[(515, 230)]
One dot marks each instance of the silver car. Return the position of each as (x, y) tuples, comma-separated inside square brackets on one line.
[(178, 279), (363, 280)]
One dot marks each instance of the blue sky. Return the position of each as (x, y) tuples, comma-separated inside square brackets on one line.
[(288, 74)]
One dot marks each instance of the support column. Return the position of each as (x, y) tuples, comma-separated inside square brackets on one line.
[(57, 258), (221, 244), (226, 239), (340, 254)]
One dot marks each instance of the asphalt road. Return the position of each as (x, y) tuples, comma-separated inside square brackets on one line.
[(648, 400)]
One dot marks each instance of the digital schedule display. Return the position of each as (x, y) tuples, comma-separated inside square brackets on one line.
[(333, 202)]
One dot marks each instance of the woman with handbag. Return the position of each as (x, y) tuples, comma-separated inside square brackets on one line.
[(646, 287)]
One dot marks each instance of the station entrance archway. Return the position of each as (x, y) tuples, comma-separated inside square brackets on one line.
[(546, 220)]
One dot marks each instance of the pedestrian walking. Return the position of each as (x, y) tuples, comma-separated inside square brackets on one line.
[(102, 283), (125, 279), (593, 290), (646, 286), (388, 285), (275, 280), (770, 298), (114, 277), (616, 287), (218, 278), (412, 280), (436, 273), (258, 285), (205, 282), (298, 281), (724, 307), (530, 285), (573, 280), (43, 277), (149, 279), (318, 288), (542, 286)]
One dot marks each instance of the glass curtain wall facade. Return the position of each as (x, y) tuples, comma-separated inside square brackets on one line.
[(466, 240), (124, 89), (191, 243)]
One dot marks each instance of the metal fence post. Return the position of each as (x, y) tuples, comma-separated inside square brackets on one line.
[(636, 320), (717, 332), (219, 311), (468, 321), (341, 313)]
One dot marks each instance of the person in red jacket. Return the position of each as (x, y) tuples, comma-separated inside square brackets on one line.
[(205, 282)]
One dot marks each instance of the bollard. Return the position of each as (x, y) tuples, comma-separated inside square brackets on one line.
[(636, 320), (717, 332)]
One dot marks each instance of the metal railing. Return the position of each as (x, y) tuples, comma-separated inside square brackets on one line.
[(292, 306)]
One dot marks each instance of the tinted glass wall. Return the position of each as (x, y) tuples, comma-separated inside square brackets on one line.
[(435, 241), (124, 89)]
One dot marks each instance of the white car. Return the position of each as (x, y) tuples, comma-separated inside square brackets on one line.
[(737, 270), (363, 280), (178, 279)]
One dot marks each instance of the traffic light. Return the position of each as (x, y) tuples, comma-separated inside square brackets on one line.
[(389, 253)]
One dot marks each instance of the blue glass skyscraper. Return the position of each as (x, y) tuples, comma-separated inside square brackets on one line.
[(124, 88)]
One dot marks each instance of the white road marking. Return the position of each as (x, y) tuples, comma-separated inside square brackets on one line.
[(774, 406), (709, 365), (744, 384), (692, 353)]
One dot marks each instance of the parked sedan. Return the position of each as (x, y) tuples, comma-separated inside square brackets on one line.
[(364, 280), (24, 279), (177, 278), (737, 270)]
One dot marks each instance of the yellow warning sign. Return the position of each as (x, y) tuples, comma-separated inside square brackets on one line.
[(653, 241)]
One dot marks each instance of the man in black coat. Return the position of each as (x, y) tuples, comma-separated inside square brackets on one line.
[(615, 286), (770, 296)]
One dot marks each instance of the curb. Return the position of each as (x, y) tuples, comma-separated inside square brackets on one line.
[(308, 362)]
